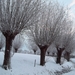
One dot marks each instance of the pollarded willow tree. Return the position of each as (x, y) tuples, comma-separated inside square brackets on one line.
[(64, 42), (70, 46), (17, 42), (16, 15), (49, 26)]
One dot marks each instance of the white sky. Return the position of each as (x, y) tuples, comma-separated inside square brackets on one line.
[(68, 3)]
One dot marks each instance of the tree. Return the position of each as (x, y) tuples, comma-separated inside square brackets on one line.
[(64, 42), (69, 48), (17, 42), (51, 50), (48, 27), (16, 15)]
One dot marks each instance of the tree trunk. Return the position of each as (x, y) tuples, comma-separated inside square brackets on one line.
[(34, 51), (67, 56), (7, 56), (59, 53), (48, 53), (42, 55)]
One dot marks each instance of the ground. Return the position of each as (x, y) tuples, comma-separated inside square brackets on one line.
[(28, 64)]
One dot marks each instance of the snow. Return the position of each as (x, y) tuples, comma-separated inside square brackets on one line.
[(70, 73), (23, 64)]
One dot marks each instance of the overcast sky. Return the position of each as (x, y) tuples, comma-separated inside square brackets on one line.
[(68, 3)]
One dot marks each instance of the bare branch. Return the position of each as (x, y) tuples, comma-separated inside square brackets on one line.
[(17, 14)]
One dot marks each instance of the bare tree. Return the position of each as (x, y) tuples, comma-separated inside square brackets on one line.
[(48, 27), (17, 42), (51, 50), (34, 47), (16, 15), (69, 48), (64, 42)]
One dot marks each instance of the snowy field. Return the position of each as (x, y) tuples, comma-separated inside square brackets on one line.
[(27, 64)]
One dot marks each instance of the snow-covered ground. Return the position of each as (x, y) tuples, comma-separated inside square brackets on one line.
[(28, 64)]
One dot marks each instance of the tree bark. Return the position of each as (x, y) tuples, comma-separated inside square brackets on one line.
[(7, 56), (67, 56), (42, 57), (59, 53), (43, 50)]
